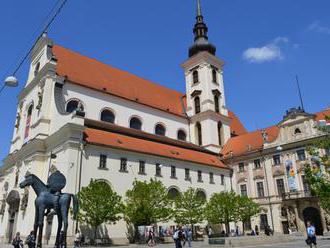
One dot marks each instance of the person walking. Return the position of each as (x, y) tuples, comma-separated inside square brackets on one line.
[(77, 239), (178, 237), (311, 236), (210, 232), (17, 241), (31, 240), (189, 237)]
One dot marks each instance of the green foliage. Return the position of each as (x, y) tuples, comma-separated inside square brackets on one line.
[(98, 204), (223, 208), (319, 180), (147, 203), (247, 208), (189, 208)]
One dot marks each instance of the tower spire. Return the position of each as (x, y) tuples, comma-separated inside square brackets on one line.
[(200, 35)]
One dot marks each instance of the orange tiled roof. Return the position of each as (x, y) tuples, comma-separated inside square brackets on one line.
[(248, 142), (321, 115), (96, 75), (93, 74), (123, 142)]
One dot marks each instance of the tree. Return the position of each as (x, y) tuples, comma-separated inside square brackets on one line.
[(247, 209), (98, 204), (189, 208), (223, 208), (147, 203), (317, 173)]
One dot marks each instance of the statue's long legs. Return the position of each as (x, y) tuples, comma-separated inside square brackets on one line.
[(59, 228), (35, 225), (64, 212), (41, 214)]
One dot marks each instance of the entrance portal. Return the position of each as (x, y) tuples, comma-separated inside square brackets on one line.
[(313, 215), (13, 201)]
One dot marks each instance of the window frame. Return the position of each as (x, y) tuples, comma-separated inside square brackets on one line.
[(277, 160), (241, 167), (110, 111), (142, 167), (173, 172), (281, 185), (138, 119), (211, 177), (182, 132), (158, 172), (214, 76), (199, 176), (197, 104), (199, 135), (162, 126), (222, 179), (103, 161), (260, 189), (245, 190), (301, 152), (195, 76), (187, 176), (216, 103), (123, 165), (257, 163)]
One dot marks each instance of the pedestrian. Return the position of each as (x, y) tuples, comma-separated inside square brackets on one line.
[(178, 237), (31, 240), (61, 240), (77, 239), (189, 237), (256, 229), (17, 241), (237, 231), (210, 232), (267, 230), (311, 236)]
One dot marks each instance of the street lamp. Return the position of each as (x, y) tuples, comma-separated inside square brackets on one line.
[(11, 82)]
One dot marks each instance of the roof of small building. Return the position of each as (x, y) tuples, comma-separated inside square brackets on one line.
[(129, 143), (96, 75), (253, 141)]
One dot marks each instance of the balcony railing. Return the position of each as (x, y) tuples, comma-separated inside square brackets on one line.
[(297, 195)]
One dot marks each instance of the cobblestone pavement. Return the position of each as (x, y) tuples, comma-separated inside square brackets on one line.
[(296, 244)]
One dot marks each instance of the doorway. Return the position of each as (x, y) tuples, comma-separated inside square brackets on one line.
[(313, 215)]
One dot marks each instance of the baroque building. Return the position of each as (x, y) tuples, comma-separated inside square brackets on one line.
[(90, 120)]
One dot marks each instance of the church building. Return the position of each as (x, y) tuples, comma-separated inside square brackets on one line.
[(90, 120)]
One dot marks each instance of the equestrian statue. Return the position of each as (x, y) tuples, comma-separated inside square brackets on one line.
[(50, 198)]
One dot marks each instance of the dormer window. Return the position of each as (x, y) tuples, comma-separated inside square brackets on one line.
[(297, 131), (36, 68), (214, 76), (195, 77)]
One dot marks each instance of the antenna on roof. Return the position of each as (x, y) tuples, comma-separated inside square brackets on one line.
[(300, 96)]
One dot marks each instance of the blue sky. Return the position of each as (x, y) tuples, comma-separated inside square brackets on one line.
[(264, 44)]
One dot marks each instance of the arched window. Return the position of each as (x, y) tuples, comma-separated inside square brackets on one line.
[(182, 135), (173, 193), (216, 104), (197, 105), (160, 130), (201, 195), (36, 68), (135, 123), (297, 131), (214, 76), (28, 122), (107, 116), (198, 133), (195, 77), (72, 105), (220, 133)]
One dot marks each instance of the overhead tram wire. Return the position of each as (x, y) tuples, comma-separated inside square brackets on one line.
[(48, 24)]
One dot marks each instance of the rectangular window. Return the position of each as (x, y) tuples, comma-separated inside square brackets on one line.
[(158, 170), (142, 167), (243, 190), (123, 164), (187, 174), (103, 161), (222, 179), (241, 167), (211, 177), (277, 159), (173, 172), (301, 155), (305, 183), (280, 187), (257, 164), (199, 176), (260, 189)]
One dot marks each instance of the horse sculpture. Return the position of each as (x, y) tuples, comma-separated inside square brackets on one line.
[(46, 201)]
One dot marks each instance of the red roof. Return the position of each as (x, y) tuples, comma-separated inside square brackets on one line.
[(124, 142), (322, 115), (96, 75)]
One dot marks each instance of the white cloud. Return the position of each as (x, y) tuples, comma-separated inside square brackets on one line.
[(266, 53), (317, 27)]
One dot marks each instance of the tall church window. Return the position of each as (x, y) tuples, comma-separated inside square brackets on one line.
[(160, 130), (195, 77), (199, 133), (135, 123), (182, 135), (28, 123), (220, 133), (216, 104), (108, 116), (214, 76), (36, 69), (72, 105), (197, 105)]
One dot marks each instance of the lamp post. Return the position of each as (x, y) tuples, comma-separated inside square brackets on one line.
[(11, 82)]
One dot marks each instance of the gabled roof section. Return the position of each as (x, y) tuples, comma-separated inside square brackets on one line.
[(236, 126), (96, 75), (248, 142), (128, 143)]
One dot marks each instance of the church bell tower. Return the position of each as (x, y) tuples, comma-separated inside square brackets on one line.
[(206, 107)]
